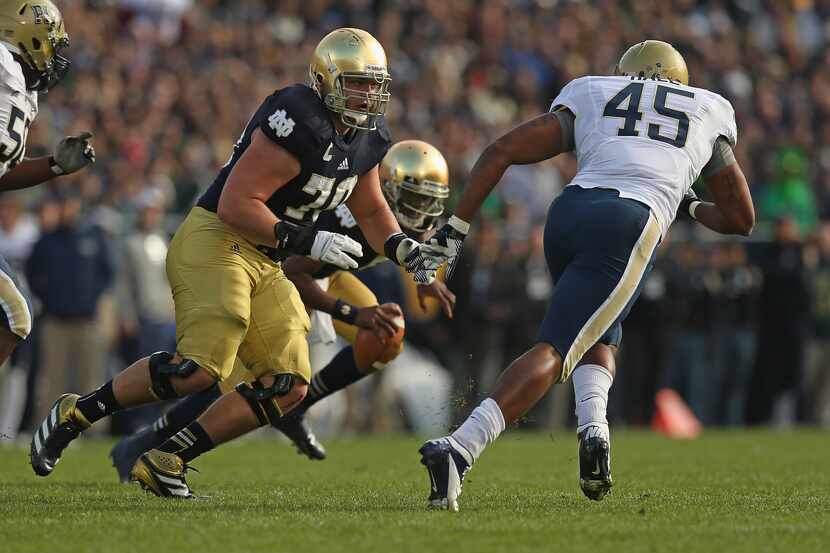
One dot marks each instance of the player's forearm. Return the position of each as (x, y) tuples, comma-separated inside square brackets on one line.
[(249, 217), (531, 142), (312, 295), (27, 173), (733, 211), (712, 217), (377, 226), (485, 175)]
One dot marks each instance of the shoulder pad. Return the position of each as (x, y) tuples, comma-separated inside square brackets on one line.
[(11, 74), (383, 129), (570, 95), (378, 143), (295, 118)]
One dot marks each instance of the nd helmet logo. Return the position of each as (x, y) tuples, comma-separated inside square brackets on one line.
[(40, 14)]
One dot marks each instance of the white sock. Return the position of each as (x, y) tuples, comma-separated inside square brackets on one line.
[(480, 429), (591, 385)]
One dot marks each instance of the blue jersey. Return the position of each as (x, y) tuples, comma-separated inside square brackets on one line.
[(296, 119)]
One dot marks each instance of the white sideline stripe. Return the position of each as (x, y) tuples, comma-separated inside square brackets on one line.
[(38, 443), (54, 415)]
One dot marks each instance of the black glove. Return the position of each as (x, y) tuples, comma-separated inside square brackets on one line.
[(73, 153)]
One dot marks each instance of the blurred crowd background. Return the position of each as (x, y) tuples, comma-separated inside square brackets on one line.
[(740, 328)]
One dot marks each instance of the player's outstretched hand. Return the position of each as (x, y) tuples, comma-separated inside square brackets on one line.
[(439, 291), (336, 249), (444, 246), (74, 153)]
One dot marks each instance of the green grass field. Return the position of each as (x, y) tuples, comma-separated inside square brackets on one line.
[(728, 491)]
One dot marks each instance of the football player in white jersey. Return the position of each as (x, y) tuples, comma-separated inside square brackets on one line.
[(641, 138), (32, 35)]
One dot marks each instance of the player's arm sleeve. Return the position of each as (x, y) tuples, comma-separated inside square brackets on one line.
[(566, 107), (571, 97), (722, 156), (566, 123), (286, 127), (725, 114)]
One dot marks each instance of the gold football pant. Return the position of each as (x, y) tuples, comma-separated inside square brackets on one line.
[(233, 301)]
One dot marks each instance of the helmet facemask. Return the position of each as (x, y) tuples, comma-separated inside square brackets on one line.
[(416, 205), (359, 108)]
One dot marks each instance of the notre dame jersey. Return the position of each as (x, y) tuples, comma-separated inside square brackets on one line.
[(296, 119), (342, 221)]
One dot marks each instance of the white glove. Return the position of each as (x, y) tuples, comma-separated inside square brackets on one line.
[(336, 249), (73, 153)]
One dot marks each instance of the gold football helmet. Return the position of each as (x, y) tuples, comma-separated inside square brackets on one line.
[(653, 58), (35, 33), (415, 182), (350, 55)]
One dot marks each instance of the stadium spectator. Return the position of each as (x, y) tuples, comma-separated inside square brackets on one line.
[(816, 382), (146, 303), (68, 271), (736, 283), (785, 306)]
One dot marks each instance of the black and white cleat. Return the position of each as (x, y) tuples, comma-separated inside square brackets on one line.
[(300, 433), (447, 462), (62, 425), (594, 463)]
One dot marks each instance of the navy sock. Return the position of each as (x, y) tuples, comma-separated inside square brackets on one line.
[(183, 412), (339, 373), (98, 404), (188, 443)]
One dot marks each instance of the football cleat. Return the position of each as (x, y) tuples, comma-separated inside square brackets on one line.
[(62, 425), (446, 463), (300, 433), (162, 474), (594, 464), (126, 452)]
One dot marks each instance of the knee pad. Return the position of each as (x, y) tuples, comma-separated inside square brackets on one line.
[(162, 370), (263, 399), (370, 352)]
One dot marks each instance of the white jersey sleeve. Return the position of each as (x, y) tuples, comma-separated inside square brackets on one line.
[(723, 118), (571, 96), (647, 138), (18, 108)]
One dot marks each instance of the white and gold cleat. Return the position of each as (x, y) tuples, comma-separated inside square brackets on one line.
[(162, 474)]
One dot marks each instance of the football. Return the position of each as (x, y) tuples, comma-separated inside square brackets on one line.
[(369, 348)]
